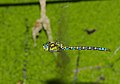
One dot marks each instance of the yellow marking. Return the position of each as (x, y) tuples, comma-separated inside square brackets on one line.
[(83, 47), (95, 48), (89, 47), (54, 48), (76, 47), (52, 45)]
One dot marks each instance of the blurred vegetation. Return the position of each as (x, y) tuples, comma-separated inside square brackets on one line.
[(68, 22)]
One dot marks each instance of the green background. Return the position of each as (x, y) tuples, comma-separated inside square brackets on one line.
[(68, 22)]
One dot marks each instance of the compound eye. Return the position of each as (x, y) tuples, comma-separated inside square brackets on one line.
[(45, 47)]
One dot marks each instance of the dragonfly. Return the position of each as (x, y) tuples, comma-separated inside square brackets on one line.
[(57, 47)]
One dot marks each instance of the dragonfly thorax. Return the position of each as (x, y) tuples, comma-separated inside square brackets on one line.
[(52, 46)]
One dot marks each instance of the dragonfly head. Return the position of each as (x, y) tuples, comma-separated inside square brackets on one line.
[(46, 46)]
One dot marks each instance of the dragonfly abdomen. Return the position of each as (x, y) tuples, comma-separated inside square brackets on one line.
[(84, 48)]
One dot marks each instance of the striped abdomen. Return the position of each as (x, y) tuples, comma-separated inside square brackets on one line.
[(84, 48)]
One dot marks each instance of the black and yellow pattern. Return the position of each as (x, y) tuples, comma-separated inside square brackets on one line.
[(52, 46), (56, 47)]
